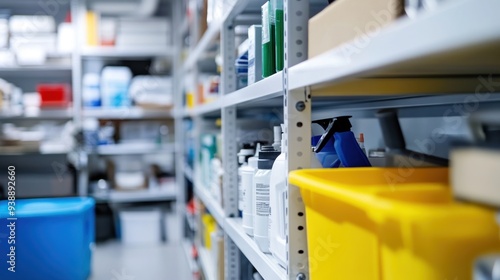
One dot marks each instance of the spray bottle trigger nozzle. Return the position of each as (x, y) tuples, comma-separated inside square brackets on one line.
[(331, 126)]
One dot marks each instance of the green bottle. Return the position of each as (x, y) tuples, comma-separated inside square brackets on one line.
[(279, 33), (268, 41)]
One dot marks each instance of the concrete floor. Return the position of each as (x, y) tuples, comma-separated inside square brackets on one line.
[(115, 261)]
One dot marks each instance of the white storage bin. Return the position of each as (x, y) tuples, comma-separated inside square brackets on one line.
[(141, 226)]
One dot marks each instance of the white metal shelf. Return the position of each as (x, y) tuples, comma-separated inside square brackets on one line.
[(126, 113), (53, 114), (428, 45), (213, 206), (168, 192), (204, 109), (134, 148), (265, 264), (21, 151), (262, 90), (266, 88), (207, 264), (127, 52), (35, 69)]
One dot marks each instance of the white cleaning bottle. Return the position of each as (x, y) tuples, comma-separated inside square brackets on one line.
[(277, 219), (247, 174), (278, 193), (267, 155), (245, 153)]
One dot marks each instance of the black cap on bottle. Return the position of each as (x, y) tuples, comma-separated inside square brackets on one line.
[(267, 156)]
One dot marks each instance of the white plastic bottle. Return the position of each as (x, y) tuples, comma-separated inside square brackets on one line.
[(261, 187), (278, 192), (245, 153), (247, 174), (90, 92), (277, 219)]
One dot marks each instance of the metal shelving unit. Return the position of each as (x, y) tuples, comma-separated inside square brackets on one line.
[(264, 263), (206, 263), (126, 113), (212, 205), (161, 193), (64, 114), (263, 90), (33, 70), (88, 54), (401, 67), (212, 31), (212, 107), (128, 52), (402, 59), (134, 149)]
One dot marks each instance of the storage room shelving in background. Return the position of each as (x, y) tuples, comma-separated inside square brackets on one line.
[(67, 59), (96, 49)]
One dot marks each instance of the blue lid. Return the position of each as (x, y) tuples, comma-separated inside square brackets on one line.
[(329, 146), (47, 207)]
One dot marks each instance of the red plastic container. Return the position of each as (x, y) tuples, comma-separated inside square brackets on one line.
[(54, 95)]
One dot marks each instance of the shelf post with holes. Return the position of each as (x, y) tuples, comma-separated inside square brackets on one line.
[(178, 125), (297, 112), (230, 181)]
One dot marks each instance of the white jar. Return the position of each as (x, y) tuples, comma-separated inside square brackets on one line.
[(115, 81)]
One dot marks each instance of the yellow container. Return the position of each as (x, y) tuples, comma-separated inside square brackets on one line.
[(390, 223), (209, 226)]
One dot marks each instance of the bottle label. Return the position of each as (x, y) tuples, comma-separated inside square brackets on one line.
[(262, 200), (266, 27)]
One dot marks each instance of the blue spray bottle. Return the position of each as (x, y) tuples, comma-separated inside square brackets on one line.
[(347, 148)]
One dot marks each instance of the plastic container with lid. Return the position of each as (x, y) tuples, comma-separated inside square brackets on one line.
[(90, 93), (391, 223), (115, 81), (261, 199), (245, 153), (247, 177), (54, 95), (53, 238), (140, 226)]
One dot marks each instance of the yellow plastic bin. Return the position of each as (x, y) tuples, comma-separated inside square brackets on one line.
[(389, 223)]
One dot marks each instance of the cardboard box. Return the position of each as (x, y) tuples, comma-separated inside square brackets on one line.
[(346, 20)]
